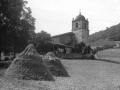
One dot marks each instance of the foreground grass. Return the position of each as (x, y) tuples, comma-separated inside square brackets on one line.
[(85, 75)]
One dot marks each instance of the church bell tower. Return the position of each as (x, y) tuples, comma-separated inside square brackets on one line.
[(80, 27)]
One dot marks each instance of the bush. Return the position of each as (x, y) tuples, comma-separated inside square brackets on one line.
[(89, 56)]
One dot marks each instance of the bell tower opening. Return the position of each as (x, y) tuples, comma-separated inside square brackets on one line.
[(76, 25)]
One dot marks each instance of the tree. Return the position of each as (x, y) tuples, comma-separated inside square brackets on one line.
[(81, 47), (16, 23), (42, 42)]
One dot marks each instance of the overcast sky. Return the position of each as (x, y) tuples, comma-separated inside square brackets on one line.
[(55, 16)]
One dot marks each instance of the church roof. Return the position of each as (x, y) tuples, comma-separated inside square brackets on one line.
[(70, 33), (80, 17)]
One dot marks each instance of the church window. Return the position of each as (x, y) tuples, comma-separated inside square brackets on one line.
[(76, 25)]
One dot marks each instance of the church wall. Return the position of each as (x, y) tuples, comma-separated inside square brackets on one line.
[(85, 36), (78, 35), (80, 24), (65, 39), (85, 24), (55, 40), (74, 28), (82, 35), (68, 39), (74, 40)]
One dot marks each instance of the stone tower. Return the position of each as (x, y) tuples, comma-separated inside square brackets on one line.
[(80, 27)]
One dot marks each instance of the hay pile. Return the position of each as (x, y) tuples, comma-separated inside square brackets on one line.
[(29, 65), (54, 65)]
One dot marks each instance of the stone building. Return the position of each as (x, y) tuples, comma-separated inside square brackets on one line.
[(79, 33)]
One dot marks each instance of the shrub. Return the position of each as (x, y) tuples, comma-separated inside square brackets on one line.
[(89, 56)]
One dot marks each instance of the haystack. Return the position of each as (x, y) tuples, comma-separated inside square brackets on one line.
[(29, 65), (54, 65)]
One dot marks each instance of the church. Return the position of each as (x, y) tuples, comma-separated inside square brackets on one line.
[(79, 33)]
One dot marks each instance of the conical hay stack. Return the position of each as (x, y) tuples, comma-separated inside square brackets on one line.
[(54, 65), (29, 65)]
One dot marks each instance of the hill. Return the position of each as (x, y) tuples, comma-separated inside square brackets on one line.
[(111, 33), (100, 43)]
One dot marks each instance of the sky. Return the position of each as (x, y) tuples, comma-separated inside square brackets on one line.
[(55, 16)]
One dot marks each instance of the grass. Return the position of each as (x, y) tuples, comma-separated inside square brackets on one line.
[(2, 72), (110, 54), (84, 75)]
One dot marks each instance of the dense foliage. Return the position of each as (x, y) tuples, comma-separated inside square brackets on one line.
[(82, 48), (16, 25), (112, 33), (42, 42)]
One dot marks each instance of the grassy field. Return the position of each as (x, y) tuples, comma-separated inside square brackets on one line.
[(84, 75), (110, 54)]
